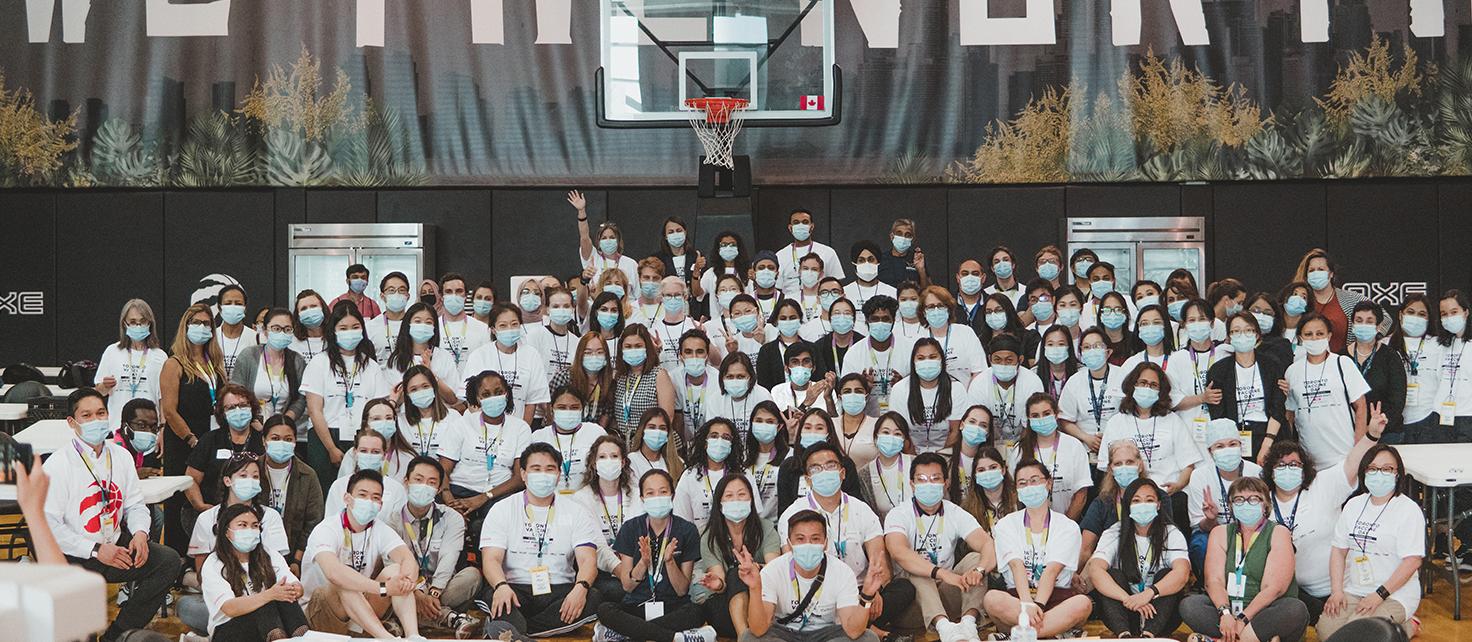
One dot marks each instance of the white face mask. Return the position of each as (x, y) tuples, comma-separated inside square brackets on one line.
[(1316, 347)]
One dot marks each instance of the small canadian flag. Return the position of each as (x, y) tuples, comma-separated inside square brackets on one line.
[(812, 103)]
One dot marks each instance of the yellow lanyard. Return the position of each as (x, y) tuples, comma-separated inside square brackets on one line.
[(425, 442)]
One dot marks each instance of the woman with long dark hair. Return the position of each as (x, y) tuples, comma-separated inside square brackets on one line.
[(714, 454), (639, 383), (1058, 362), (591, 374), (814, 427), (1248, 381), (736, 526), (1145, 418), (311, 324), (887, 479), (338, 383), (1140, 578), (418, 344), (608, 494), (271, 370), (992, 494), (427, 418), (1113, 315), (1414, 337), (656, 444), (767, 446), (929, 399), (728, 258), (250, 592)]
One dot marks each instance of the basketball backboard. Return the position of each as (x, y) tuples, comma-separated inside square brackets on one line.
[(777, 54)]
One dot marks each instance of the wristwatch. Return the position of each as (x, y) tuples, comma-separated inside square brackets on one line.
[(1225, 610), (435, 591), (1384, 594), (584, 584), (382, 589)]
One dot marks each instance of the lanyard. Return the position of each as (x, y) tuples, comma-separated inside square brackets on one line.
[(280, 377), (1096, 401), (101, 487), (1363, 541), (836, 535), (1369, 361), (945, 346), (425, 443), (136, 381), (526, 508), (1452, 365), (900, 478), (207, 372), (347, 539), (1292, 515), (694, 407), (797, 593), (1240, 559), (567, 455), (656, 573), (1037, 453), (1244, 402), (1038, 553), (1225, 515), (931, 552), (628, 404), (1413, 358), (420, 545), (1149, 452), (1164, 359), (349, 381), (608, 517), (492, 447), (456, 347)]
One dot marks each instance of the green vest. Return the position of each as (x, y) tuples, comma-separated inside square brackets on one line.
[(1257, 560)]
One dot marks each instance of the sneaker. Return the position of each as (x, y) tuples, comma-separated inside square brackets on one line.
[(996, 636), (468, 627), (1197, 637), (503, 631), (190, 581), (604, 634), (1071, 633), (125, 590), (966, 629), (393, 628), (948, 631), (896, 637), (702, 634)]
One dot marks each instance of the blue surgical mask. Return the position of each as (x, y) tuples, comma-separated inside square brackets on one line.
[(279, 340), (656, 438), (365, 510), (245, 488), (1227, 459), (694, 366), (810, 439), (1033, 496), (138, 332), (541, 484), (880, 330), (1042, 311), (1232, 308), (1318, 279), (311, 317), (729, 252), (937, 317), (1198, 330), (420, 495), (1379, 484), (799, 375), (560, 316), (421, 333), (675, 239), (357, 285), (1048, 271), (1004, 371), (809, 278), (1081, 269), (1152, 334), (808, 556), (615, 289), (1147, 300), (744, 323), (529, 302), (607, 320), (1101, 288), (1454, 323), (763, 431), (245, 540), (929, 369), (854, 402), (238, 418), (1243, 342), (385, 427), (1068, 317), (766, 278), (635, 357), (199, 334), (842, 322), (1055, 355), (736, 510), (232, 314), (801, 231), (908, 308), (737, 388), (608, 246), (422, 398), (370, 461), (144, 442), (970, 284), (1043, 426), (889, 445), (717, 450), (989, 479), (725, 299), (454, 303), (788, 327), (1295, 305), (1144, 513), (280, 451), (1364, 332), (996, 320), (508, 337), (1093, 358), (1003, 269), (658, 507), (929, 493), (674, 304), (349, 339), (826, 483), (567, 418), (1112, 319), (974, 434), (1412, 325), (395, 302), (1265, 322), (1288, 478), (1248, 514), (649, 289), (1124, 475), (1175, 308), (901, 244), (1145, 397)]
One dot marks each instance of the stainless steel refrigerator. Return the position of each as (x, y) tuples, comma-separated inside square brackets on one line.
[(1142, 247), (321, 253)]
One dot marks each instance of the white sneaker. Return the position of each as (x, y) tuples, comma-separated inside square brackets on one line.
[(703, 634), (966, 628), (948, 631), (190, 637)]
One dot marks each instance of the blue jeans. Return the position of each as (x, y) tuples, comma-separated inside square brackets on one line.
[(1197, 549), (193, 613)]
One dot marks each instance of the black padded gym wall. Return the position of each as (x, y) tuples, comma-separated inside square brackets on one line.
[(462, 220), (213, 234), (1260, 230), (867, 212), (774, 208), (109, 248), (640, 215), (1022, 218), (1453, 235), (28, 292), (535, 231), (1378, 236)]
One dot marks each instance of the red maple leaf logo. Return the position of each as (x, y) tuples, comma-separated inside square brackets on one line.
[(93, 509)]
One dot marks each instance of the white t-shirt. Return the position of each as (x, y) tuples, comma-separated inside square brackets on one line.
[(695, 400), (556, 348), (1187, 373), (1207, 477), (763, 473), (280, 479), (525, 371), (860, 294), (427, 436), (1014, 294), (394, 496), (441, 363), (522, 530), (273, 532), (849, 526), (609, 512), (750, 346), (230, 348), (600, 263), (1008, 404), (1423, 377), (216, 589), (934, 537), (928, 430), (862, 357), (668, 334), (1175, 550), (1382, 537), (136, 374), (1311, 516), (367, 551), (789, 259), (1069, 462), (1089, 402), (469, 440), (1140, 357), (693, 495), (1455, 378), (1164, 442), (361, 384), (964, 354), (1251, 393), (736, 410), (840, 590), (270, 386), (788, 397), (574, 447), (310, 347), (1319, 397), (462, 338), (1061, 544), (383, 332)]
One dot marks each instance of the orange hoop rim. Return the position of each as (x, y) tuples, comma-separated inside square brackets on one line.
[(717, 109)]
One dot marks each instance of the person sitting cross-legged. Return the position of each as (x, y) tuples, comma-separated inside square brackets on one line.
[(435, 534), (806, 595)]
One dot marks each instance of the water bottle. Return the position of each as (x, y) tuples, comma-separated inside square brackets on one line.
[(1023, 632)]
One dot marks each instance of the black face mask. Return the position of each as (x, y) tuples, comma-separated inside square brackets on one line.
[(427, 299)]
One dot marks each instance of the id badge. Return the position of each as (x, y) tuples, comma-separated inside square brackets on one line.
[(541, 580), (1449, 412), (1363, 574), (224, 453), (1246, 437), (490, 461), (653, 609), (1236, 587), (1198, 429)]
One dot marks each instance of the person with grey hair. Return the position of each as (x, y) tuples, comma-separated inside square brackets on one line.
[(129, 369)]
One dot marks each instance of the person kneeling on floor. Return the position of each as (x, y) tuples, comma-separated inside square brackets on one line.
[(807, 595)]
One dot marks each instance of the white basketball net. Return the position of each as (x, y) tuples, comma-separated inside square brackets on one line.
[(716, 124)]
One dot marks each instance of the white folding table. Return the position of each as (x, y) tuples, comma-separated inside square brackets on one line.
[(46, 436), (1440, 468)]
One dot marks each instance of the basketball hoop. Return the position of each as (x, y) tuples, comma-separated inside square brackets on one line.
[(716, 122)]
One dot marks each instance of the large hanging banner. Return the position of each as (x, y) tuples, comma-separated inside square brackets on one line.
[(197, 93)]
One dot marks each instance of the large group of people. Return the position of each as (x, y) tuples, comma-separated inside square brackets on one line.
[(771, 445)]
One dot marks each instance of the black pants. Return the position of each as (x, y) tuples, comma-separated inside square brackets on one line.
[(1122, 621), (254, 626), (609, 588), (898, 595), (1286, 618), (540, 613), (628, 620), (153, 581), (1315, 605), (175, 462), (474, 519), (717, 607)]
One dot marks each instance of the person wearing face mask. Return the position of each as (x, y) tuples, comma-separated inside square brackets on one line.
[(1309, 504), (1250, 591), (1251, 397), (714, 453), (1091, 397), (923, 540), (1145, 293), (311, 321), (556, 336), (739, 527), (539, 555), (608, 494), (357, 281), (804, 387), (570, 436), (357, 568), (272, 371), (591, 374), (1100, 280), (130, 368), (855, 429), (381, 415), (1068, 308), (483, 298), (1048, 263), (655, 446), (1414, 339), (524, 368), (249, 593), (95, 510), (607, 254), (648, 306), (530, 301), (1334, 304), (655, 563), (1163, 440), (1114, 316), (1004, 389), (1066, 458), (674, 322), (1003, 267), (768, 446), (1037, 554), (903, 262), (908, 325), (338, 383), (1189, 371), (435, 535), (806, 595), (1082, 260), (975, 434), (738, 393), (479, 453), (991, 494), (854, 533), (1126, 464), (1454, 391), (639, 383), (189, 384), (730, 259), (417, 344), (138, 433), (790, 258), (805, 291), (1000, 317), (930, 400), (1294, 300), (771, 360), (727, 288), (1326, 396), (820, 324), (1036, 311), (963, 351), (241, 482), (969, 293), (743, 331), (679, 256), (460, 333), (1269, 316), (294, 491), (875, 356), (1379, 544), (1056, 361), (239, 417), (233, 335), (1378, 362), (696, 383), (425, 416), (1227, 298), (866, 284), (764, 281), (370, 449), (885, 478), (1141, 579), (810, 429), (1206, 495)]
